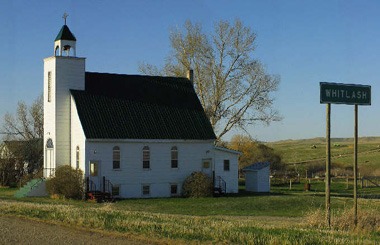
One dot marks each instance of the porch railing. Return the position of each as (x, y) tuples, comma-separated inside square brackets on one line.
[(220, 185), (107, 186)]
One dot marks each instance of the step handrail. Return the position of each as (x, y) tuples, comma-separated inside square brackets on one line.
[(39, 180), (221, 184)]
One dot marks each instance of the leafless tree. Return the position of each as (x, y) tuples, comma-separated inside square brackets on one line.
[(233, 86), (23, 140), (27, 124)]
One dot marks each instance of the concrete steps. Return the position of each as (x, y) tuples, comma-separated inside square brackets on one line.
[(29, 187)]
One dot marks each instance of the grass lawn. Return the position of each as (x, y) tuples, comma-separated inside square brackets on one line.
[(277, 218)]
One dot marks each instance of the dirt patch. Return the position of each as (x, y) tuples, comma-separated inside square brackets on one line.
[(16, 230)]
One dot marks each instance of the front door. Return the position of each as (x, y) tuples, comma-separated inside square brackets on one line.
[(207, 166), (94, 175)]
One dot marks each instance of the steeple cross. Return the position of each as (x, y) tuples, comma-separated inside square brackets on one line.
[(65, 17)]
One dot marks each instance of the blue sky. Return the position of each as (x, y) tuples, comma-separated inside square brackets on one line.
[(305, 42)]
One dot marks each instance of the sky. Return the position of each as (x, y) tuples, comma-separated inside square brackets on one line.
[(304, 42)]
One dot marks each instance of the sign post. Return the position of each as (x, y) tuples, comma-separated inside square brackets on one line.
[(349, 94), (356, 166), (328, 163)]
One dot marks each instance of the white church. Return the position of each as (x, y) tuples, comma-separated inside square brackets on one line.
[(134, 136)]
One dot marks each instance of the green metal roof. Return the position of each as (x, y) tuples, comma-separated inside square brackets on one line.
[(65, 34), (140, 107)]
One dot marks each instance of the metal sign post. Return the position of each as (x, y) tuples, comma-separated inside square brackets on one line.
[(349, 94), (356, 166), (328, 163)]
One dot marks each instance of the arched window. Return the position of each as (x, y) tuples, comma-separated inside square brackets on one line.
[(116, 157), (77, 157), (146, 157), (49, 144), (49, 167), (174, 157)]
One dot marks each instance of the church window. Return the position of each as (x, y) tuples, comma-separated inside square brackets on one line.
[(77, 157), (49, 168), (174, 189), (49, 87), (226, 165), (146, 190), (146, 157), (49, 144), (174, 157), (115, 190), (116, 157)]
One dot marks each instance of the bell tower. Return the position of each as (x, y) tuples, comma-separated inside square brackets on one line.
[(62, 71), (65, 42)]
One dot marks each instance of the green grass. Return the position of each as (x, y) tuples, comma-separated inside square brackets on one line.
[(293, 206), (6, 193)]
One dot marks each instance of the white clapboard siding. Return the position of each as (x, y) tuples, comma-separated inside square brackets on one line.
[(257, 180), (231, 176), (66, 73), (131, 176), (77, 138)]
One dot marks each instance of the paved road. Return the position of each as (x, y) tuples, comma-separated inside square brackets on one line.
[(15, 230)]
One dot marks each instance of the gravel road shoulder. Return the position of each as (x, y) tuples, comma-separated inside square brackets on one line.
[(16, 230)]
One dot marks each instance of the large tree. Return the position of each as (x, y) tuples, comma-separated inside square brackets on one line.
[(232, 85), (253, 152)]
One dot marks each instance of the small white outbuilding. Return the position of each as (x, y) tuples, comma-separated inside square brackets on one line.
[(257, 177)]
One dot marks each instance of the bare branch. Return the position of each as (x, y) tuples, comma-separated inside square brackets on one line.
[(234, 88)]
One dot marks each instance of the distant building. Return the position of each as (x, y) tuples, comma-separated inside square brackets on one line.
[(140, 136), (257, 177)]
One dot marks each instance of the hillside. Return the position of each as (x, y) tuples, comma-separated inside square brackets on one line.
[(312, 151)]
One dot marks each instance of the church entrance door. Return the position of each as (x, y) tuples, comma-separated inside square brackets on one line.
[(207, 166), (94, 176)]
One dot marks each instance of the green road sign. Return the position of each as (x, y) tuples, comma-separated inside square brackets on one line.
[(350, 94)]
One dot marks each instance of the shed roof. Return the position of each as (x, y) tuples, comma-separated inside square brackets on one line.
[(227, 150), (256, 166)]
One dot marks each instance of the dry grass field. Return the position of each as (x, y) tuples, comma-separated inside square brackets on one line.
[(283, 217), (304, 153)]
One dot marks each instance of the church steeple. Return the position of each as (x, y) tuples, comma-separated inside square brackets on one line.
[(62, 72), (65, 41)]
